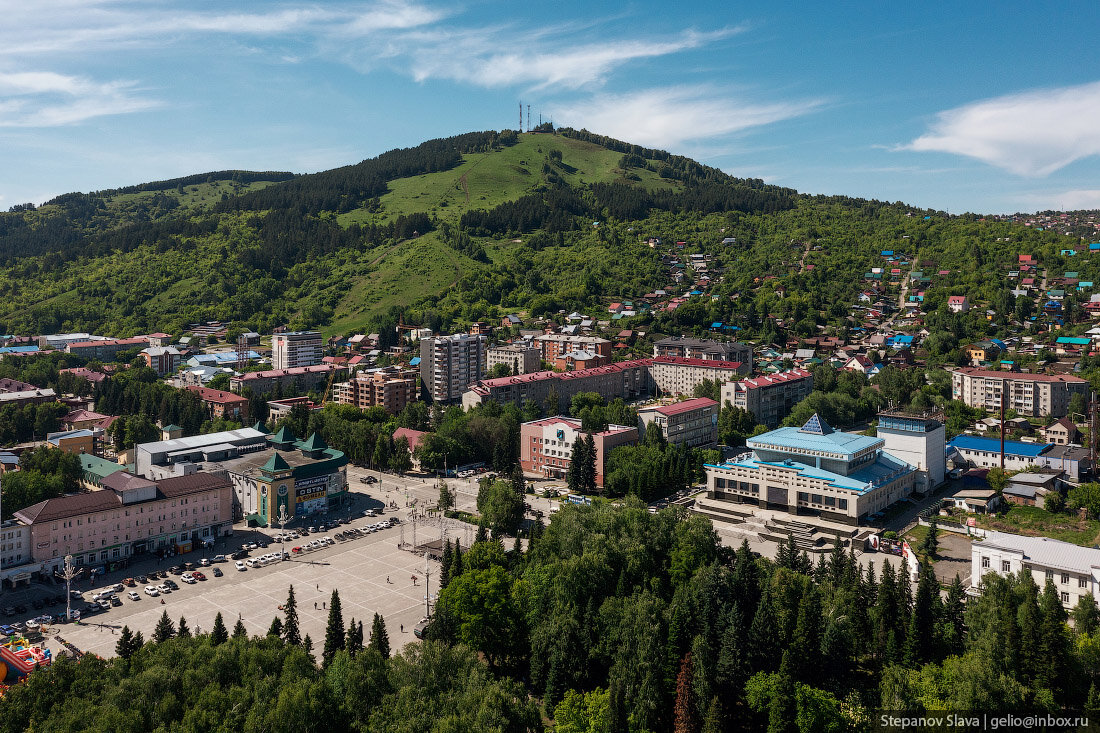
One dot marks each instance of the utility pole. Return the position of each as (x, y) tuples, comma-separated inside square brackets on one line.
[(69, 574), (1003, 383), (282, 531), (427, 582)]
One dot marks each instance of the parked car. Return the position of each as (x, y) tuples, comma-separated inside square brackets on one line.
[(133, 596), (204, 562), (129, 582), (171, 584), (220, 558), (217, 572), (175, 570), (6, 630), (141, 579), (116, 601), (240, 565), (105, 604), (163, 588), (151, 590), (197, 575)]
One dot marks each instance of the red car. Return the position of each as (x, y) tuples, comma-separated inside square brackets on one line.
[(198, 576)]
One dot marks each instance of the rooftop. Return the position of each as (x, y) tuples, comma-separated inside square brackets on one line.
[(815, 436), (987, 374), (1013, 447), (1044, 551), (678, 408)]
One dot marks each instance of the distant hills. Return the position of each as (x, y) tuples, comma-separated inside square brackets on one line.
[(466, 228)]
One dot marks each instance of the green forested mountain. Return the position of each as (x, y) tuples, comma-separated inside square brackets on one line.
[(471, 227)]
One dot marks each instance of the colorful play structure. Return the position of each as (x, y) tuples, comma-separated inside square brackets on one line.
[(20, 658)]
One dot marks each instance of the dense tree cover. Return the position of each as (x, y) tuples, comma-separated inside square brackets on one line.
[(43, 370), (651, 469), (500, 504), (241, 684), (44, 473), (21, 424), (138, 393)]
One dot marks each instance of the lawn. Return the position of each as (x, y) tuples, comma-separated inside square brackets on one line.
[(1032, 521)]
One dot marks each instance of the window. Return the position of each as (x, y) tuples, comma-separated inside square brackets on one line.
[(1082, 582), (1006, 566), (842, 504), (985, 562), (1050, 575), (1065, 597), (1065, 578)]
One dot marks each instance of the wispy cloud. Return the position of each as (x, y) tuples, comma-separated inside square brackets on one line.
[(46, 99), (671, 116), (545, 59), (1031, 134)]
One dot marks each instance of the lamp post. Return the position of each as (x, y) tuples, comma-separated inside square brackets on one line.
[(68, 574), (282, 532)]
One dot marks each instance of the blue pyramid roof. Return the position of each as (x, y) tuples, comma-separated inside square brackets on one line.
[(816, 425)]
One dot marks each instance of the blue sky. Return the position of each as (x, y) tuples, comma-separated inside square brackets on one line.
[(988, 107)]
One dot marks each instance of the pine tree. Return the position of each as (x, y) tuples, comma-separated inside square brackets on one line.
[(124, 647), (805, 644), (782, 711), (456, 563), (684, 710), (764, 635), (574, 475), (334, 632), (239, 631), (219, 634), (589, 473), (1086, 616), (837, 562), (164, 629), (714, 723), (732, 669), (183, 632), (291, 633), (1058, 671), (307, 644), (445, 565), (931, 543), (379, 638), (276, 628), (482, 533), (921, 635), (139, 641)]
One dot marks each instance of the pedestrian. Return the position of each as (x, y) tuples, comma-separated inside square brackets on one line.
[(402, 628), (315, 605), (324, 605)]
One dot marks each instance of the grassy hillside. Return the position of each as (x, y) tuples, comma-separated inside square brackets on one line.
[(468, 228)]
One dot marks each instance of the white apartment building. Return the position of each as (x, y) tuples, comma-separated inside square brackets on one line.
[(520, 358), (770, 398), (296, 349), (1033, 395), (450, 364), (1074, 570)]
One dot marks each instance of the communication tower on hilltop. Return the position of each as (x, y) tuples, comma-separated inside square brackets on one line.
[(521, 116), (528, 118)]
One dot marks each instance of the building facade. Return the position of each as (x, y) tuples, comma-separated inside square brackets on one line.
[(295, 349), (450, 364), (554, 345), (770, 398), (1033, 395), (302, 379), (219, 403), (129, 516), (106, 349), (813, 470), (546, 446), (161, 359), (520, 358), (1074, 570), (389, 387), (693, 423), (919, 440), (681, 375), (692, 348), (626, 379)]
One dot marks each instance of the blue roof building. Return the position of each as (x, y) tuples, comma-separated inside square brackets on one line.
[(812, 470)]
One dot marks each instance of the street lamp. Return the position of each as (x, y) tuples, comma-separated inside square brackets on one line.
[(68, 574)]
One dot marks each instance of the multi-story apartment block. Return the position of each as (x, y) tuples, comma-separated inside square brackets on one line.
[(161, 359), (546, 446), (389, 387), (554, 345), (1074, 570), (302, 379), (770, 398), (106, 349), (520, 358), (626, 379), (680, 375), (1032, 395), (691, 422), (220, 403), (450, 364), (693, 348), (295, 349), (129, 515)]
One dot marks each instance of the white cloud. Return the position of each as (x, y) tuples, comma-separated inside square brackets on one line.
[(669, 117), (543, 59), (47, 99), (1031, 134)]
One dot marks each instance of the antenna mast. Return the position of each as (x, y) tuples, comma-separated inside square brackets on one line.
[(521, 116), (528, 118)]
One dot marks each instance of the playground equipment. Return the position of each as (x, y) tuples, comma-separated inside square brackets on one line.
[(20, 658)]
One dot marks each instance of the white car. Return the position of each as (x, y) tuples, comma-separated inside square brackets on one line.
[(151, 590), (32, 625), (240, 565), (164, 589), (133, 596), (204, 562), (188, 578)]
